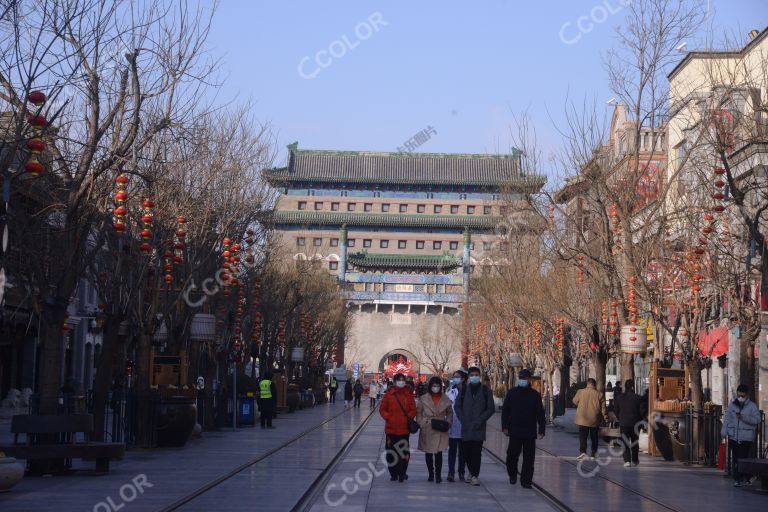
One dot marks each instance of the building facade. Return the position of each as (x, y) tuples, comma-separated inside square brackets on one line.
[(403, 232)]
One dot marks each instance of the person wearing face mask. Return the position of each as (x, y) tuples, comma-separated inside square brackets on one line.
[(434, 415), (474, 406), (455, 445), (740, 428), (522, 419), (397, 408)]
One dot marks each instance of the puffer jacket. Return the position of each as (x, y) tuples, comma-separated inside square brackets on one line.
[(742, 428), (396, 423), (455, 430)]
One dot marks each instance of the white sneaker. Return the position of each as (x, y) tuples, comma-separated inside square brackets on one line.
[(627, 465), (475, 481), (737, 484), (635, 464), (582, 456)]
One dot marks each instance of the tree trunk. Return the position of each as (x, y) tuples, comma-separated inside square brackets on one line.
[(103, 380), (52, 358), (600, 361), (697, 385), (747, 370), (143, 403), (627, 367)]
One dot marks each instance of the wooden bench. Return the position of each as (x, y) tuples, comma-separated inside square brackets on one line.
[(51, 437), (756, 467)]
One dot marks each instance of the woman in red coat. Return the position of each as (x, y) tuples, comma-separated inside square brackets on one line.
[(397, 408)]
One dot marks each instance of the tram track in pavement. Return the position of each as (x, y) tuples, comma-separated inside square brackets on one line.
[(559, 504), (205, 488)]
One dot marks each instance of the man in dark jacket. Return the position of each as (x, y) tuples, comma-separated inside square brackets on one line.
[(630, 411), (474, 406), (522, 419)]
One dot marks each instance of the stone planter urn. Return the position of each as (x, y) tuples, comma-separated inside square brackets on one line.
[(11, 473)]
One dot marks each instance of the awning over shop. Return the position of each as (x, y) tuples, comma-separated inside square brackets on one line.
[(714, 342)]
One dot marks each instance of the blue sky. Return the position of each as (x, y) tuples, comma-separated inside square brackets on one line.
[(462, 67)]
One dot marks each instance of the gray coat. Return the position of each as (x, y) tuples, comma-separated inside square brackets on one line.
[(743, 427), (474, 410)]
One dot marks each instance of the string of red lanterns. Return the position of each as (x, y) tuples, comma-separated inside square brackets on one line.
[(35, 145)]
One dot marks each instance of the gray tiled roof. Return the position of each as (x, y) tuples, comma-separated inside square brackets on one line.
[(405, 168)]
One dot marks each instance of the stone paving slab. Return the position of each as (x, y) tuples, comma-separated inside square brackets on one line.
[(174, 473)]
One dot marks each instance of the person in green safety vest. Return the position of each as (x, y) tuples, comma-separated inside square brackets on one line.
[(267, 400)]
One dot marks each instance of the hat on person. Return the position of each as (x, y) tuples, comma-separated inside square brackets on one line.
[(525, 373), (463, 371)]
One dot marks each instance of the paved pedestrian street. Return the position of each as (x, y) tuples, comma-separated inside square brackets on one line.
[(329, 459)]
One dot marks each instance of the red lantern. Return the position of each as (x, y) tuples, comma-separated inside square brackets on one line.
[(719, 183), (65, 327), (249, 259), (236, 247), (178, 246), (168, 267), (718, 196), (226, 242), (121, 197), (34, 167), (181, 219), (168, 278), (226, 254), (707, 230), (145, 248), (148, 203), (36, 145), (122, 179), (36, 98), (38, 122), (249, 232), (719, 171), (119, 227), (146, 234), (180, 233), (147, 219), (120, 211), (177, 260), (719, 208)]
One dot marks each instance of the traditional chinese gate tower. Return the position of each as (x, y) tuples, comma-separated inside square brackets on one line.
[(402, 231)]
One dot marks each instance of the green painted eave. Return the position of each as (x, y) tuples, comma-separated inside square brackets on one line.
[(443, 261), (386, 220)]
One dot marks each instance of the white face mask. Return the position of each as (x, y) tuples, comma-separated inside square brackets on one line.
[(435, 389), (400, 384), (741, 399)]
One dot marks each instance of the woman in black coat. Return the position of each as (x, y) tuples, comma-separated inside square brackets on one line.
[(358, 392), (347, 393)]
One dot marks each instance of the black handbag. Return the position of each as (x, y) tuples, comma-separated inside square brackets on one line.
[(440, 425), (413, 425)]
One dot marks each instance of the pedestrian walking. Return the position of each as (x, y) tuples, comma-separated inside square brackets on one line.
[(358, 391), (373, 392), (434, 414), (332, 387), (740, 428), (522, 419), (590, 411), (474, 406), (631, 413), (267, 400), (455, 445), (397, 409), (347, 393)]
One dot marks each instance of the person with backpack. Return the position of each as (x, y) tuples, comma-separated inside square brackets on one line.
[(358, 389), (434, 415), (474, 406), (740, 423), (398, 410), (332, 387), (522, 419)]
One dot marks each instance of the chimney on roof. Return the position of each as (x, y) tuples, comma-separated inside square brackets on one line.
[(753, 34)]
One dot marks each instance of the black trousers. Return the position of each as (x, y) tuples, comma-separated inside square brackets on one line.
[(528, 447), (266, 410), (455, 447), (398, 454), (631, 446), (434, 463), (357, 400), (332, 395), (738, 450), (473, 453), (585, 432)]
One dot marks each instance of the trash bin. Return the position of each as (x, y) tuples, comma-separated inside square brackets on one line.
[(246, 414)]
